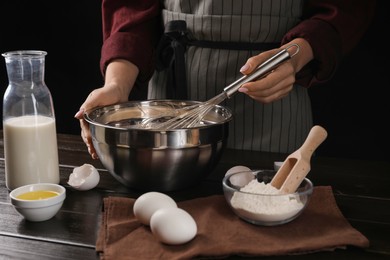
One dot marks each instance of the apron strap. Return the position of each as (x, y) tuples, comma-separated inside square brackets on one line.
[(171, 54)]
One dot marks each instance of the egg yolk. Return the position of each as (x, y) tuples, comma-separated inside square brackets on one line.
[(37, 195)]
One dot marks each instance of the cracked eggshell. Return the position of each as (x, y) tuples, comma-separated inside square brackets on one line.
[(85, 177)]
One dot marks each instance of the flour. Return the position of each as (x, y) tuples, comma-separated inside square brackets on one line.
[(270, 207)]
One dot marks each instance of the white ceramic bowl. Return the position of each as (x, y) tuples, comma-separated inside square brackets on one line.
[(38, 209), (258, 204)]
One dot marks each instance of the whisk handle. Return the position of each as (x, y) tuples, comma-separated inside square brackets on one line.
[(262, 70)]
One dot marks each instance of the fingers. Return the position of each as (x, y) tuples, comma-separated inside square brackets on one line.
[(85, 133), (106, 95), (276, 93), (274, 86), (255, 61), (79, 114), (87, 138), (93, 100)]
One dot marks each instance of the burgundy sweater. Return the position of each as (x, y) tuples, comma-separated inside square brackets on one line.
[(132, 28)]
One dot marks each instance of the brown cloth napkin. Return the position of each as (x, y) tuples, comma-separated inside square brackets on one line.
[(221, 233)]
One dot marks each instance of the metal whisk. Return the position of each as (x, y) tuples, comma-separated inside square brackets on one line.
[(192, 116)]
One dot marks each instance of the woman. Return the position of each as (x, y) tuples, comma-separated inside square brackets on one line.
[(220, 40)]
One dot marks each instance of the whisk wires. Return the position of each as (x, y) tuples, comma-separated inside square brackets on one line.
[(187, 117)]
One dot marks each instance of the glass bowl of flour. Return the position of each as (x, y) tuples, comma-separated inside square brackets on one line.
[(252, 198)]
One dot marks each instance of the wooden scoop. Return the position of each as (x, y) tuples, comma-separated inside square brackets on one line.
[(297, 165)]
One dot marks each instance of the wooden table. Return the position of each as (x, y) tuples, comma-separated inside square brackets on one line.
[(361, 189)]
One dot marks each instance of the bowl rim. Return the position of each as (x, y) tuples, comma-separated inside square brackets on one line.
[(37, 203), (108, 108), (255, 172)]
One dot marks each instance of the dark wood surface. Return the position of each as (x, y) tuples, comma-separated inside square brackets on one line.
[(361, 189)]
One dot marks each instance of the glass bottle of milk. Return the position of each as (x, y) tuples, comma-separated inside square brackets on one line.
[(29, 127)]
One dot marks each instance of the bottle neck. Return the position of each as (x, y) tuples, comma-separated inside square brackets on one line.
[(26, 68)]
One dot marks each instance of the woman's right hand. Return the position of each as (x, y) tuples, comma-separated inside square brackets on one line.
[(279, 83), (119, 80)]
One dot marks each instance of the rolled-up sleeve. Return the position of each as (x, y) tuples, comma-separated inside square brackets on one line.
[(131, 30), (332, 28)]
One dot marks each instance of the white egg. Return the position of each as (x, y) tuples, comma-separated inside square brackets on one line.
[(173, 226), (146, 204), (238, 168), (85, 177), (241, 179)]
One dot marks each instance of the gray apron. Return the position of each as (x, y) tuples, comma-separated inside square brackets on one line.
[(281, 126)]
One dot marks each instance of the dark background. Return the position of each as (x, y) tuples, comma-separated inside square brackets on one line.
[(354, 106)]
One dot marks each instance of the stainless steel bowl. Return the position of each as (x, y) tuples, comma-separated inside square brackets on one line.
[(148, 159)]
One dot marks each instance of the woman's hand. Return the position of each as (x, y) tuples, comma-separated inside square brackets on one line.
[(106, 95), (120, 78), (280, 81)]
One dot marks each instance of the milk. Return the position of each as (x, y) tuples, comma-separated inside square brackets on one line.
[(30, 147)]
